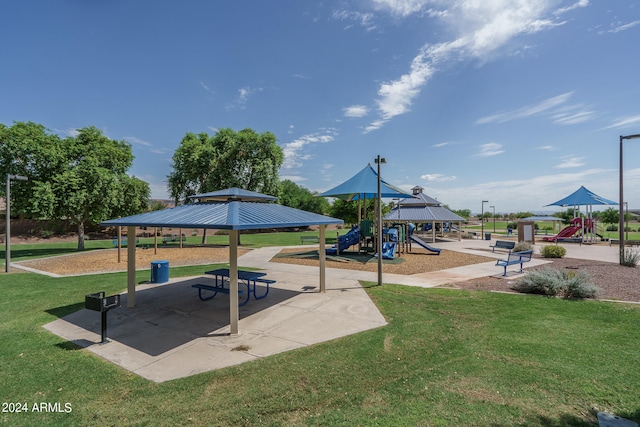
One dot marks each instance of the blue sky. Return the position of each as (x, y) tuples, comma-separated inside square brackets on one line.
[(518, 102)]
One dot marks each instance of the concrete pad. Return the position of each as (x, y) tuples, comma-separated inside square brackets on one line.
[(172, 333)]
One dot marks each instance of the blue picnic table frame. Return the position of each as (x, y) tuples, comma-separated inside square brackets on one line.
[(249, 278)]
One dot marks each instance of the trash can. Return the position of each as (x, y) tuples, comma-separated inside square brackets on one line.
[(159, 271), (487, 236)]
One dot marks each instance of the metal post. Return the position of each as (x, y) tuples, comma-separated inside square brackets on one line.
[(482, 220), (7, 261), (379, 161), (620, 211)]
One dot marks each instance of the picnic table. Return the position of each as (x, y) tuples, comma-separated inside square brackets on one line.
[(248, 278)]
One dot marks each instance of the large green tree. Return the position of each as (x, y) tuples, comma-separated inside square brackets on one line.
[(244, 159), (82, 178), (295, 196)]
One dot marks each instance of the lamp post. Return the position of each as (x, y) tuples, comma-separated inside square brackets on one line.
[(482, 219), (379, 161), (620, 212), (7, 252), (626, 220), (494, 218)]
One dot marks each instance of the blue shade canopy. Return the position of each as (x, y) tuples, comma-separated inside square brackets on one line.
[(583, 197), (234, 193), (364, 184)]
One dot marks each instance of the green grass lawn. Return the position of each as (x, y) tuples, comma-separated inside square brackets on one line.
[(447, 358)]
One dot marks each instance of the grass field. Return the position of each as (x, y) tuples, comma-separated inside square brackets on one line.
[(446, 358)]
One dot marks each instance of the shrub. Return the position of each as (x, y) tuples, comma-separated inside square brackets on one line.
[(630, 257), (546, 281), (553, 251), (612, 227), (522, 246), (553, 282), (578, 285)]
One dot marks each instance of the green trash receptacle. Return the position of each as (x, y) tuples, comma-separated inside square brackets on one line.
[(487, 236), (159, 271)]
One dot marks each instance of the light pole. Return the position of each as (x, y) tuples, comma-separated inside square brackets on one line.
[(626, 220), (7, 252), (482, 219), (620, 212), (494, 218), (379, 161)]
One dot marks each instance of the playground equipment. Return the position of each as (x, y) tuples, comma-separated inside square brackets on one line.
[(388, 250), (345, 242), (578, 225), (425, 245)]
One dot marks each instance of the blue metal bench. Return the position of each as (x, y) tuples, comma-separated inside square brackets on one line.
[(503, 244), (515, 258)]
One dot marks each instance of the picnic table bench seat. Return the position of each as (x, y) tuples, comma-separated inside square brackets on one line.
[(515, 258), (215, 290), (503, 244)]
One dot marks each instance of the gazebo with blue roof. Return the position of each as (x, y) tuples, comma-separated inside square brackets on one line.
[(231, 209)]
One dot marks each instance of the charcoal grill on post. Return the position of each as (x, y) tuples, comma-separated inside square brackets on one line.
[(99, 302)]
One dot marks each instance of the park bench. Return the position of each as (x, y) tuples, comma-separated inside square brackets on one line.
[(515, 258), (503, 244)]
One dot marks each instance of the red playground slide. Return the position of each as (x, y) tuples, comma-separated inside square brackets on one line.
[(565, 232)]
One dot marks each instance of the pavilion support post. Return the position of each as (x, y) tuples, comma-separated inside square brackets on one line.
[(155, 240), (119, 241), (234, 313), (322, 256), (131, 266)]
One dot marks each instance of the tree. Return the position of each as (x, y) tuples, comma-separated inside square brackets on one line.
[(243, 159), (610, 216), (298, 197), (82, 179), (465, 213)]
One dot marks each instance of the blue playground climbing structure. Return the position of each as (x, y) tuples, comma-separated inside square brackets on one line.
[(345, 241)]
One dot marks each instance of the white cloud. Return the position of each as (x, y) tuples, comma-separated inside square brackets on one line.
[(363, 19), (547, 148), (402, 7), (579, 3), (205, 87), (441, 144), (294, 178), (244, 93), (531, 110), (138, 141), (294, 153), (355, 111), (482, 27), (438, 177), (624, 27), (623, 122), (489, 149), (570, 162)]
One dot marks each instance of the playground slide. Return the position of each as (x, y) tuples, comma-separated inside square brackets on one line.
[(565, 232), (424, 245), (388, 250), (345, 241)]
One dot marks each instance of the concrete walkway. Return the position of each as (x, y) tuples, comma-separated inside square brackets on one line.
[(172, 334)]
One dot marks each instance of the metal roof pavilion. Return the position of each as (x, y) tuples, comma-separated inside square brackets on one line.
[(233, 214)]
